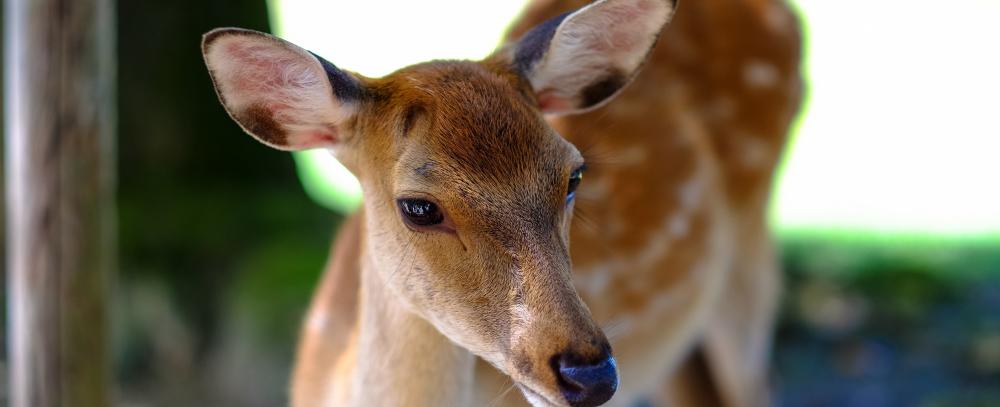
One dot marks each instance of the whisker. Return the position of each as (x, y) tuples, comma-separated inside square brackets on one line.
[(585, 220), (601, 156), (602, 122), (611, 331), (601, 126), (405, 253), (582, 213), (500, 397)]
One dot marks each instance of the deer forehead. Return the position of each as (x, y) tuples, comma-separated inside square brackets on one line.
[(474, 131)]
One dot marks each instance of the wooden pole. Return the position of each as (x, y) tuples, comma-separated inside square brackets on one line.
[(60, 101)]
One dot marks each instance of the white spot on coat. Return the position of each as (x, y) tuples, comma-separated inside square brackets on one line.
[(760, 74), (754, 153), (777, 18), (317, 321), (689, 194), (679, 225)]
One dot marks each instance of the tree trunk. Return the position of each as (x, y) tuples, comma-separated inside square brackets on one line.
[(59, 132)]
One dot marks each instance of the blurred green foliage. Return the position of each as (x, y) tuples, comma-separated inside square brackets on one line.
[(890, 321), (214, 218), (197, 197)]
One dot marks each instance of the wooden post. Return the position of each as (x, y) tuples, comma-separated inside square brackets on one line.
[(60, 105)]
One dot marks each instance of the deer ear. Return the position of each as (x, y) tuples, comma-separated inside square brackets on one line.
[(282, 95), (577, 61)]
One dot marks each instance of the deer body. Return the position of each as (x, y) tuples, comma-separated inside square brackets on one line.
[(681, 256), (454, 283)]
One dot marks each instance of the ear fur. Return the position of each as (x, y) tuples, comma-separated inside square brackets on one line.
[(279, 93), (577, 61)]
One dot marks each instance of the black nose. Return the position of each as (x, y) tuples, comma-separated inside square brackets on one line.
[(586, 383)]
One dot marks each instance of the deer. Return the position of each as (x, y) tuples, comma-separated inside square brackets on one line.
[(454, 283)]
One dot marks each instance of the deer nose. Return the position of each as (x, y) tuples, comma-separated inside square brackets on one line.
[(586, 383)]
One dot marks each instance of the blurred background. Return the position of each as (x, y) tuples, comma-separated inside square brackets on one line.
[(887, 207)]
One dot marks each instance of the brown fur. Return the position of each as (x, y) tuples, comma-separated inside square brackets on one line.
[(692, 107), (676, 253), (259, 121), (334, 312), (479, 148)]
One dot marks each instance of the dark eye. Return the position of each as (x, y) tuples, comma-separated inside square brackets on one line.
[(418, 212), (574, 182)]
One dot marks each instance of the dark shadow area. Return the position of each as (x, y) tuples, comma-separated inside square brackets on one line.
[(219, 247)]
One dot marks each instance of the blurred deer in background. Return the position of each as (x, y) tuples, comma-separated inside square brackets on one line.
[(674, 256), (454, 282)]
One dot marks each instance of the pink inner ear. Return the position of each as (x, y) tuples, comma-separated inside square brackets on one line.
[(237, 50), (277, 88), (316, 138), (269, 71), (645, 6), (260, 56), (259, 68), (548, 102), (306, 138), (620, 38), (248, 56)]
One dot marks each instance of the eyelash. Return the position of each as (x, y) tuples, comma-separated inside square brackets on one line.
[(574, 182)]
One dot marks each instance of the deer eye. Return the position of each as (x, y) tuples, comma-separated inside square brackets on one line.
[(574, 182), (418, 212)]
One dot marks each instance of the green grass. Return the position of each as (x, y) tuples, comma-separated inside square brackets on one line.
[(848, 252)]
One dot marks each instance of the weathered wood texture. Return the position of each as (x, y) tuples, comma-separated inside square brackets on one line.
[(59, 90)]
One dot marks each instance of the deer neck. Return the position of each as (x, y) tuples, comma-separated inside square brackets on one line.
[(402, 360)]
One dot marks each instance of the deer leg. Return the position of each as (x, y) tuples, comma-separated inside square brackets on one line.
[(738, 338)]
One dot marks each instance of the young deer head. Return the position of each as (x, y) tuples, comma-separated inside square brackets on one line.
[(468, 192)]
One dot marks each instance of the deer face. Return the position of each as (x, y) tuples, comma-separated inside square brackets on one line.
[(468, 192), (473, 217)]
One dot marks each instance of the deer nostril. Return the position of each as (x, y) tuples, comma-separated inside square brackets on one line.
[(586, 384)]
